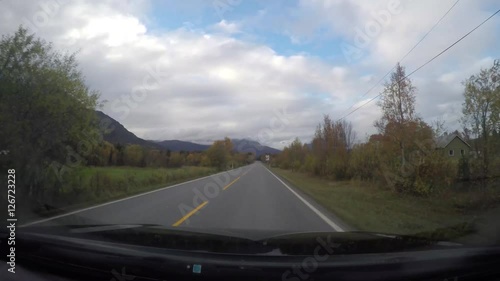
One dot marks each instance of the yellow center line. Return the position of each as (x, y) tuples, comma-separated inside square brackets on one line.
[(225, 187), (190, 214)]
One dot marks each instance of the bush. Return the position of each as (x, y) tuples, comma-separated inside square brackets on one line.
[(476, 169), (422, 188), (402, 183), (433, 173), (463, 169), (309, 164), (364, 162), (422, 175), (296, 165)]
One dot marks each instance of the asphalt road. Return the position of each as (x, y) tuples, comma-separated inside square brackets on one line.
[(251, 197)]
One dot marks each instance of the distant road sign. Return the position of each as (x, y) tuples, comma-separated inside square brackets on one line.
[(267, 157)]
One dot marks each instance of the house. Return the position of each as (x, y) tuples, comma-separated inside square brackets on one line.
[(453, 146)]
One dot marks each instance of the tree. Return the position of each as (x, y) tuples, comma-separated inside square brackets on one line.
[(296, 148), (347, 133), (330, 147), (153, 158), (295, 154), (119, 156), (228, 145), (176, 160), (193, 159), (481, 108), (439, 128), (365, 162), (46, 110), (398, 107), (133, 155), (102, 155), (219, 153)]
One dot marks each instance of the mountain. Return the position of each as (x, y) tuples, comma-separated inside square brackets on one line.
[(244, 145), (240, 145), (118, 134), (177, 145)]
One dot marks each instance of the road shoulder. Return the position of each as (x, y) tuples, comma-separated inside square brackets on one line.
[(321, 209)]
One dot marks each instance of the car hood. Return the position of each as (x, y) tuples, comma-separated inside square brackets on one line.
[(242, 241)]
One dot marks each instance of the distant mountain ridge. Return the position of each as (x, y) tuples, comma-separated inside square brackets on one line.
[(178, 145), (244, 145), (118, 134)]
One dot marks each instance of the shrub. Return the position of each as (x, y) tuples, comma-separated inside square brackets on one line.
[(495, 167), (421, 175), (364, 162), (422, 188), (463, 169)]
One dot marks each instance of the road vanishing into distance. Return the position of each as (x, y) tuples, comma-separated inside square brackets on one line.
[(247, 198)]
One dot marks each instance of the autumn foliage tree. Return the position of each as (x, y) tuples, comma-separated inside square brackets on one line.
[(481, 110), (397, 102), (293, 155), (219, 153), (328, 154), (330, 147)]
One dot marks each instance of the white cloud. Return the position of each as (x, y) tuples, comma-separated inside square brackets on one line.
[(206, 83), (226, 27), (439, 83)]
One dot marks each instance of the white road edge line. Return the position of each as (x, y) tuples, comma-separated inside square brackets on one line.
[(335, 226), (119, 200)]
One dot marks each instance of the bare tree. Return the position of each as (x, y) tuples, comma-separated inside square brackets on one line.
[(398, 107), (438, 127), (330, 146), (347, 133)]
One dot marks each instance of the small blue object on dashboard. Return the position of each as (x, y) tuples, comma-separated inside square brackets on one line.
[(196, 268)]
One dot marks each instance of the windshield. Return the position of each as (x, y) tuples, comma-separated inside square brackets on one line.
[(251, 119)]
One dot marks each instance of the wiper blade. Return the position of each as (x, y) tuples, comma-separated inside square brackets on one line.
[(351, 243)]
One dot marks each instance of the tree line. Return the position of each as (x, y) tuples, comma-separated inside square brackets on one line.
[(220, 154), (404, 155), (47, 114)]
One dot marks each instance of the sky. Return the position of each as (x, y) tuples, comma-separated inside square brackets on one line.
[(200, 70)]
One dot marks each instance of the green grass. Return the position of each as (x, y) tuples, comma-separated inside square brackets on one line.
[(88, 186), (367, 207)]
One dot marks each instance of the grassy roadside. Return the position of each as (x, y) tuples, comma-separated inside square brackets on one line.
[(371, 208), (94, 185)]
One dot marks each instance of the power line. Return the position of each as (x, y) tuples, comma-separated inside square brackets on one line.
[(434, 26), (411, 50), (426, 63)]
